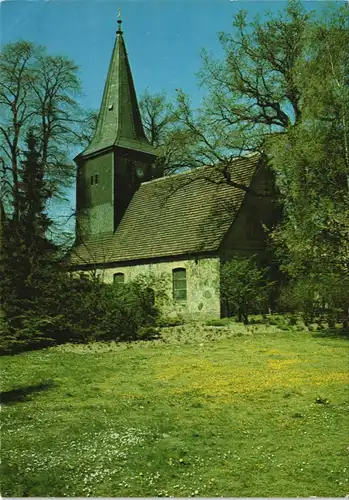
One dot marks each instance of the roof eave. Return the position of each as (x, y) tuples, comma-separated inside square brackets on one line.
[(84, 155), (138, 261)]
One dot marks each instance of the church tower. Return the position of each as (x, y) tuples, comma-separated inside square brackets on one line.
[(119, 156)]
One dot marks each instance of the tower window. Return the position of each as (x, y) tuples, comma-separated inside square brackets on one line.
[(94, 179), (118, 279), (179, 283)]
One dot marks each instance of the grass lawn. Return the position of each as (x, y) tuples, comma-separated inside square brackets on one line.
[(231, 415)]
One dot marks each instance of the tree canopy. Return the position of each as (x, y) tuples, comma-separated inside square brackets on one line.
[(165, 132), (38, 91), (282, 89)]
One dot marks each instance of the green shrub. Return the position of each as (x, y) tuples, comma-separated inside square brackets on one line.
[(81, 310), (258, 319), (148, 333), (301, 296), (322, 298), (244, 287), (167, 321), (106, 312), (218, 322), (278, 320), (126, 310), (36, 332), (285, 328), (292, 320)]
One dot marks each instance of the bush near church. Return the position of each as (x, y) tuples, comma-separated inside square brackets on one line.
[(244, 287), (318, 299), (81, 310)]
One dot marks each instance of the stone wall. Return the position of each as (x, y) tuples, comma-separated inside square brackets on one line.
[(203, 298)]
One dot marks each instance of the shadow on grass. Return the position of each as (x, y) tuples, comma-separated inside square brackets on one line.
[(23, 394), (333, 333)]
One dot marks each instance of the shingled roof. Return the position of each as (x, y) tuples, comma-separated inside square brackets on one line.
[(119, 119), (187, 213)]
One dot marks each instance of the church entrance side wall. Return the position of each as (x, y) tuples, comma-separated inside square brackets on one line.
[(202, 284)]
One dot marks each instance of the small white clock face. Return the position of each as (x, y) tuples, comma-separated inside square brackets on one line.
[(139, 171)]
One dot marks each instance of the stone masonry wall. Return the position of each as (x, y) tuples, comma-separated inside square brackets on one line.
[(203, 298)]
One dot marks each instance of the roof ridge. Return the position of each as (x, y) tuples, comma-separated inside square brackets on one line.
[(187, 221), (167, 177)]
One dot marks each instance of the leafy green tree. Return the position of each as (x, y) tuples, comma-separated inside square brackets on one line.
[(281, 77), (282, 89), (41, 303), (312, 165), (244, 287), (312, 159), (252, 93)]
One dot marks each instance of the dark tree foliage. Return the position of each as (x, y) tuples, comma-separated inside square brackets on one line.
[(28, 256), (42, 304), (244, 287)]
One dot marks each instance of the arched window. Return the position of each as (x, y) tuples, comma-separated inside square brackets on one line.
[(179, 283), (119, 279)]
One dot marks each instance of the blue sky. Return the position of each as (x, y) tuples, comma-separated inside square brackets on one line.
[(163, 37)]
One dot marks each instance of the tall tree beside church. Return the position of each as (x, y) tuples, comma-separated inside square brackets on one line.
[(282, 89), (38, 91), (312, 159), (157, 116), (252, 93), (312, 162), (174, 146), (27, 253)]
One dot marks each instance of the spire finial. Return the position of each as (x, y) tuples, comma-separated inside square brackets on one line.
[(119, 21)]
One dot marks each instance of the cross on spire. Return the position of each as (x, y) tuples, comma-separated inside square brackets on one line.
[(119, 121), (119, 21)]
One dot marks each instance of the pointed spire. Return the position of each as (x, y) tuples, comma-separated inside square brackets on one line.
[(119, 120)]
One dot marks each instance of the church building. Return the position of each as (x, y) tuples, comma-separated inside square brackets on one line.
[(174, 231)]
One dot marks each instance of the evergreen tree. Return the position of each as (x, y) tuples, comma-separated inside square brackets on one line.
[(27, 253)]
